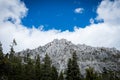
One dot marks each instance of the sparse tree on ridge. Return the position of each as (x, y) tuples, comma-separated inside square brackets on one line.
[(73, 71), (61, 77), (54, 73), (46, 69), (38, 68), (69, 70)]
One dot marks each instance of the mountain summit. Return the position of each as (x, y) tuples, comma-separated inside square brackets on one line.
[(61, 50)]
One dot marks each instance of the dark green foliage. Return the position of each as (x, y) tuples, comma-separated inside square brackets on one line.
[(12, 67), (14, 64), (69, 70), (73, 71), (2, 62), (91, 75), (12, 52), (110, 75), (105, 73), (54, 73), (38, 68), (49, 72), (46, 69), (61, 77), (75, 68), (1, 52), (29, 70)]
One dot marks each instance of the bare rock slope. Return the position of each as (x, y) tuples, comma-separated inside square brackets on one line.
[(60, 51)]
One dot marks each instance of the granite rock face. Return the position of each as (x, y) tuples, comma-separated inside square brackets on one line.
[(61, 50)]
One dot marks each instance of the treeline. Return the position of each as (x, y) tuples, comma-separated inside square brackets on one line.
[(24, 68)]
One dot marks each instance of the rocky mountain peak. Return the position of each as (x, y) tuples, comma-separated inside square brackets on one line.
[(59, 42), (61, 50)]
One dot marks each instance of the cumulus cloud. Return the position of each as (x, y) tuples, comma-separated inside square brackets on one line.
[(12, 9), (92, 21), (78, 10), (101, 34), (109, 11)]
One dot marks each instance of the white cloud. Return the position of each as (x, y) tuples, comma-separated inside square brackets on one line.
[(101, 34), (92, 21), (79, 10), (12, 9), (109, 11)]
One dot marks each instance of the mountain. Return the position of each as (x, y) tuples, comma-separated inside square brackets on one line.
[(60, 51)]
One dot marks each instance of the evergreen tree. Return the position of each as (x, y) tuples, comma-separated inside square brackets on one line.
[(12, 66), (69, 70), (15, 65), (18, 68), (105, 74), (1, 52), (11, 56), (61, 77), (54, 73), (110, 75), (91, 75), (1, 62), (13, 62), (73, 71), (12, 52), (29, 69), (6, 68), (46, 69), (38, 68)]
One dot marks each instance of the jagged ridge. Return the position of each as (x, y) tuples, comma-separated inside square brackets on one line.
[(60, 51)]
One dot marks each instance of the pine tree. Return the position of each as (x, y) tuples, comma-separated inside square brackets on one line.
[(29, 70), (61, 77), (110, 75), (12, 62), (68, 71), (6, 67), (12, 52), (1, 62), (46, 69), (1, 52), (38, 68), (105, 74), (54, 73), (73, 71), (15, 65), (91, 75), (75, 68)]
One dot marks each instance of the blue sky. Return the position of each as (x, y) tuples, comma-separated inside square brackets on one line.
[(59, 14)]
